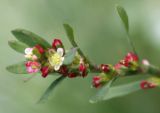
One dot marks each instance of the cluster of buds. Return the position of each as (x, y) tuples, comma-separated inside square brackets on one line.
[(51, 60), (80, 69), (127, 65), (34, 56), (107, 73)]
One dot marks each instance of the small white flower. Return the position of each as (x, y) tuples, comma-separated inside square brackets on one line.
[(56, 59), (28, 51), (29, 54)]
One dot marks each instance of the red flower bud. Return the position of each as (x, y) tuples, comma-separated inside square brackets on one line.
[(82, 67), (83, 70), (147, 85), (56, 43), (40, 49), (63, 70), (105, 68), (96, 81), (28, 63), (72, 75), (131, 57), (45, 71)]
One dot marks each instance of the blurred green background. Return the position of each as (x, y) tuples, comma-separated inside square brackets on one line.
[(99, 33)]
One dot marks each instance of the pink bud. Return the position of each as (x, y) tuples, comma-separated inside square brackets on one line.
[(118, 66), (32, 66), (130, 57), (34, 57)]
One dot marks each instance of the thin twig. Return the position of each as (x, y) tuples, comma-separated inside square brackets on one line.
[(131, 43)]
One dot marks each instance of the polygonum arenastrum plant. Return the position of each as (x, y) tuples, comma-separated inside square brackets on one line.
[(41, 57)]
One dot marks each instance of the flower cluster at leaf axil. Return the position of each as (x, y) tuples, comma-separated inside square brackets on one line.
[(52, 59), (128, 65)]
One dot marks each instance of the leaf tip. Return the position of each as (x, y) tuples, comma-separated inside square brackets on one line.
[(66, 25), (10, 42), (8, 69), (15, 30), (40, 101), (123, 15), (117, 6), (19, 30)]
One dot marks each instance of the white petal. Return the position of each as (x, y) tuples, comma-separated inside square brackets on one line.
[(60, 51), (56, 67), (62, 58), (60, 63), (28, 51)]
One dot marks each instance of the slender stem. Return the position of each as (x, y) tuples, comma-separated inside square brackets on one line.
[(150, 69), (131, 43), (153, 70)]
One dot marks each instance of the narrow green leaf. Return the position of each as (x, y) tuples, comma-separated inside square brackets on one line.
[(17, 46), (124, 17), (30, 38), (118, 91), (51, 88), (69, 31), (18, 68), (122, 90), (101, 93), (69, 57)]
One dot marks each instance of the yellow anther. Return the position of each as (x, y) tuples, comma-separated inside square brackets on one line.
[(56, 59)]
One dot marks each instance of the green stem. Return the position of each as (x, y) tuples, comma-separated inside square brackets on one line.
[(153, 70), (150, 69), (131, 43)]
